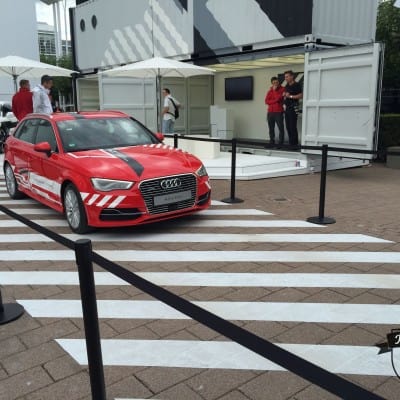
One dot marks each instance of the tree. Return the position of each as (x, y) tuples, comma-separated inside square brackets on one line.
[(388, 32), (62, 85)]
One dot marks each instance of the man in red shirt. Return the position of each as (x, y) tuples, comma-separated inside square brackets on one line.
[(274, 100), (22, 100)]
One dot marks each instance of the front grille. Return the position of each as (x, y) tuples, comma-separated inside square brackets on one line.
[(153, 192)]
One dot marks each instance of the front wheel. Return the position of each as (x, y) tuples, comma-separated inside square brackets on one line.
[(75, 210), (11, 183)]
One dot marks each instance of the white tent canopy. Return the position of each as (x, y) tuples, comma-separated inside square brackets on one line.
[(19, 66), (159, 67)]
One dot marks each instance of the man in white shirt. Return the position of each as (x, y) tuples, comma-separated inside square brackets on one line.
[(41, 99), (168, 111)]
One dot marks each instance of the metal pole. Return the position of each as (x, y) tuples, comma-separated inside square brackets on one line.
[(321, 219), (83, 251), (175, 140), (232, 198)]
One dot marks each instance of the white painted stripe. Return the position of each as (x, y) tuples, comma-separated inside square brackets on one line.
[(92, 199), (230, 310), (229, 238), (199, 238), (360, 360), (211, 279), (179, 223), (236, 211), (207, 256), (103, 201), (12, 223), (116, 202), (18, 202), (250, 223), (219, 203), (35, 211)]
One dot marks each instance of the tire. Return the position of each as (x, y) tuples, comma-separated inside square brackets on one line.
[(11, 183), (74, 210)]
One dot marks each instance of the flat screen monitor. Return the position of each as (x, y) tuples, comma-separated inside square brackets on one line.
[(239, 88)]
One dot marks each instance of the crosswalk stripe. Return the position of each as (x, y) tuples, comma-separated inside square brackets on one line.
[(360, 360), (232, 310), (211, 279), (33, 211), (208, 256), (234, 211), (17, 202), (12, 223), (200, 238), (219, 203), (9, 223), (248, 223), (44, 211)]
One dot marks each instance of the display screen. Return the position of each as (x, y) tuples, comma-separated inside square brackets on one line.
[(239, 88)]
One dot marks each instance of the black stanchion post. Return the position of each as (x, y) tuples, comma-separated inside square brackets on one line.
[(83, 251), (233, 199), (175, 141), (321, 219), (9, 312)]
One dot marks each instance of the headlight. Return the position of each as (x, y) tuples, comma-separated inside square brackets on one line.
[(202, 171), (106, 185)]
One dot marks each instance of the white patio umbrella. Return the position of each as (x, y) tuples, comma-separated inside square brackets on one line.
[(19, 66), (158, 67)]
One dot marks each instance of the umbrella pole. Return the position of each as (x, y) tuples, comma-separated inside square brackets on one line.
[(15, 83), (159, 122)]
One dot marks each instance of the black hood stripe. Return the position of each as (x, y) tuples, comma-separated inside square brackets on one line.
[(136, 166)]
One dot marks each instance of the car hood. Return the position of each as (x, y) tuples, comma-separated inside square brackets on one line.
[(136, 162)]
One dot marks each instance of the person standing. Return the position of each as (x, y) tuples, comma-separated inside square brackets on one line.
[(22, 100), (41, 99), (293, 92), (168, 111), (274, 100)]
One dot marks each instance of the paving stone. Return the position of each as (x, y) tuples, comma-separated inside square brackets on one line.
[(212, 384), (23, 383)]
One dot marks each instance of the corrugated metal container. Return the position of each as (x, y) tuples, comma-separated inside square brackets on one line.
[(112, 33), (345, 21)]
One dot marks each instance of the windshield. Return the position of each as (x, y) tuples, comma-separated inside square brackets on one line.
[(102, 133)]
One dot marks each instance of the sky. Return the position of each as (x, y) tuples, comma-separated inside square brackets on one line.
[(44, 13)]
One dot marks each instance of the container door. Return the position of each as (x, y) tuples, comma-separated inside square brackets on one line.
[(341, 99), (87, 90)]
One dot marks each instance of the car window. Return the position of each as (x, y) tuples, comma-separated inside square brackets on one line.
[(101, 133), (27, 131), (45, 133)]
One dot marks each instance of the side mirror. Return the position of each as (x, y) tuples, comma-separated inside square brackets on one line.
[(160, 136), (43, 147)]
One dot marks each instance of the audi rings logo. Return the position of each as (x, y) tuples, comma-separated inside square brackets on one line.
[(171, 183)]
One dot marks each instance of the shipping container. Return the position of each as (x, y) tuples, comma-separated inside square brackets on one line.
[(328, 44)]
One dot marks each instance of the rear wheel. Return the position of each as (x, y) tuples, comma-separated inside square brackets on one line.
[(75, 210), (11, 183)]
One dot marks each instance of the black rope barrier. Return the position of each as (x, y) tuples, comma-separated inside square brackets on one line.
[(320, 218), (291, 362)]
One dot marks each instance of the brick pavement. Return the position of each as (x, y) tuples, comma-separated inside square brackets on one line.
[(362, 200)]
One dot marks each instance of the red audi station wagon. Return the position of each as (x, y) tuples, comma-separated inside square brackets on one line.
[(102, 169)]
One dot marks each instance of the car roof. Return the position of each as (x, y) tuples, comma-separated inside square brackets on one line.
[(63, 116)]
